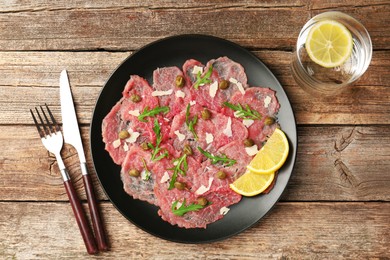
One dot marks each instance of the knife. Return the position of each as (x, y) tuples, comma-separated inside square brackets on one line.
[(72, 136)]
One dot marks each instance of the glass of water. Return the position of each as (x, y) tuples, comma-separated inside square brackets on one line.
[(324, 81)]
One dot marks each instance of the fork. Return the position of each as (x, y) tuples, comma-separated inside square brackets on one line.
[(52, 139)]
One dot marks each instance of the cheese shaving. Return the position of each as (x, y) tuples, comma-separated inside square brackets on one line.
[(134, 112), (238, 84), (125, 147), (180, 94), (133, 136), (209, 138), (237, 114), (180, 135), (164, 178), (224, 210), (159, 93), (192, 102), (248, 122), (267, 101), (116, 143), (228, 130), (252, 150), (202, 189), (197, 69), (213, 89)]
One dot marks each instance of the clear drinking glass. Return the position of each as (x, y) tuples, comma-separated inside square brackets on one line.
[(322, 81)]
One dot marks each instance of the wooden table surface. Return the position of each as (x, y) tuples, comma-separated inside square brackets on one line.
[(337, 203)]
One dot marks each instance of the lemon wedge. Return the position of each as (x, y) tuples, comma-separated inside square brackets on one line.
[(272, 155), (329, 43), (251, 184)]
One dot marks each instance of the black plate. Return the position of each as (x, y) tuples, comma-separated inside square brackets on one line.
[(169, 52)]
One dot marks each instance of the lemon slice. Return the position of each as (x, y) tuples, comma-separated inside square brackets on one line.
[(251, 184), (329, 43), (272, 155)]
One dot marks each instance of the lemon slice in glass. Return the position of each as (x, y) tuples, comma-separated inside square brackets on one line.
[(251, 184), (272, 155), (329, 43)]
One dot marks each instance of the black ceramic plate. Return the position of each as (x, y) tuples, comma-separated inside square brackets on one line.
[(175, 51)]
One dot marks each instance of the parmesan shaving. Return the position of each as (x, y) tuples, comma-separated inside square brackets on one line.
[(267, 101), (213, 89), (180, 135), (202, 189), (228, 130), (125, 147), (164, 178), (252, 150), (209, 138), (238, 84), (237, 114), (159, 93), (197, 69), (247, 122), (133, 136), (224, 210), (116, 143), (180, 93), (134, 112), (192, 102)]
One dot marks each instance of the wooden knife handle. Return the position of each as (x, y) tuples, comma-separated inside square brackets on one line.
[(95, 216), (81, 219)]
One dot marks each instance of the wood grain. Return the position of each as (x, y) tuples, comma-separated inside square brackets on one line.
[(333, 163), (31, 78), (82, 26), (290, 231)]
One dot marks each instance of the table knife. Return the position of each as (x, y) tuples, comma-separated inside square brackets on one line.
[(72, 136)]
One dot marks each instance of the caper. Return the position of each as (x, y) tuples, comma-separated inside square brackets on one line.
[(221, 175), (224, 84), (187, 149), (179, 185), (248, 142), (144, 146), (202, 201), (179, 81), (135, 98), (134, 172), (269, 120), (123, 134), (205, 114)]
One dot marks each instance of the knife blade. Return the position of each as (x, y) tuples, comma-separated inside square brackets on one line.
[(72, 136)]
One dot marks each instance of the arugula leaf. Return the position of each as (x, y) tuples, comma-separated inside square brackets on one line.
[(191, 123), (216, 159), (181, 161), (183, 209), (147, 112), (206, 78), (246, 113), (156, 149)]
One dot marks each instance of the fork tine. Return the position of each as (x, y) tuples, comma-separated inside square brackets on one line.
[(48, 123), (41, 134), (57, 127), (42, 123)]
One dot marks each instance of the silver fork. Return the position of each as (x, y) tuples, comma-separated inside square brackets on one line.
[(52, 139)]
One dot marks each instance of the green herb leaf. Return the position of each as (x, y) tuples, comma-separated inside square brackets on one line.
[(156, 148), (180, 167), (147, 112), (183, 209), (246, 113), (216, 159), (205, 80), (191, 122)]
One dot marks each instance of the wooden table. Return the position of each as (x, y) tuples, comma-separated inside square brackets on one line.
[(337, 204)]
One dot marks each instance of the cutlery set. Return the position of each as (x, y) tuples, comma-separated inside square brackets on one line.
[(53, 141)]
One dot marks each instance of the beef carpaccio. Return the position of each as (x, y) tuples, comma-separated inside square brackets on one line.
[(183, 138)]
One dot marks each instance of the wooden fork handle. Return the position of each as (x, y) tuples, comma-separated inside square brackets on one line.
[(81, 219), (95, 216)]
